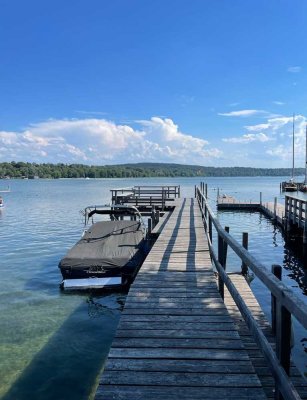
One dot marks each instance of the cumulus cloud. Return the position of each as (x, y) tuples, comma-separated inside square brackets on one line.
[(272, 140), (99, 141), (248, 138), (295, 69), (256, 128), (243, 113)]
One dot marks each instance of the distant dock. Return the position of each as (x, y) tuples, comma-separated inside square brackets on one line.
[(291, 217)]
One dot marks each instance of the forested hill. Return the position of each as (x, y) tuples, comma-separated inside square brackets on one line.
[(30, 170)]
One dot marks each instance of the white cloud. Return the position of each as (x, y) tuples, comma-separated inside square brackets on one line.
[(243, 113), (295, 69), (278, 103), (256, 128), (272, 142), (98, 141), (248, 138)]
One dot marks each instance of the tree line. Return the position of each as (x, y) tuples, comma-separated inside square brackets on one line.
[(55, 171)]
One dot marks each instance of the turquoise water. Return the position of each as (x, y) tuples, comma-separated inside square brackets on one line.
[(53, 345)]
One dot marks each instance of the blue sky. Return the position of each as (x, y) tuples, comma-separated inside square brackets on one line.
[(200, 82)]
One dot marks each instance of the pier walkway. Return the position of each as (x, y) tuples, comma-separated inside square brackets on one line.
[(176, 338)]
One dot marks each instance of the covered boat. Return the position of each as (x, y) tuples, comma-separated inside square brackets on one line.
[(110, 251)]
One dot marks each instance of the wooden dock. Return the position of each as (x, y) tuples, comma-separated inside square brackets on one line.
[(191, 332), (271, 209), (176, 338), (291, 217)]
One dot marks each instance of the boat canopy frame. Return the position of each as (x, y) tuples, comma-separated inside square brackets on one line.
[(116, 212)]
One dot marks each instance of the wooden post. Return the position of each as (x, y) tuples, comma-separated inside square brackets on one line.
[(281, 326), (276, 270), (305, 227), (244, 267), (157, 216), (220, 259), (206, 190), (222, 256), (293, 208), (153, 216), (275, 207), (260, 198), (149, 226), (210, 228), (218, 193), (195, 191)]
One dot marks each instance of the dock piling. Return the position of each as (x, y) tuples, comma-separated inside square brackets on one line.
[(222, 257), (281, 327), (244, 267)]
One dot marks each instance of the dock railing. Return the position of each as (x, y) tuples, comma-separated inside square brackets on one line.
[(296, 213), (285, 303), (145, 195)]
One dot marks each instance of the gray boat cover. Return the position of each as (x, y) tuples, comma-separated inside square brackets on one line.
[(107, 244)]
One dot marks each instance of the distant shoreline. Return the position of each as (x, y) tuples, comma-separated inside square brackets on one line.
[(22, 170)]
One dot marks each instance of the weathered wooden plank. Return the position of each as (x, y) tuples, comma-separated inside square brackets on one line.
[(176, 333), (118, 392), (175, 311), (179, 302), (200, 366), (179, 379), (181, 353), (181, 343), (152, 294), (207, 326)]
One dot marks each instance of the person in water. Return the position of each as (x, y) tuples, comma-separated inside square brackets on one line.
[(1, 201)]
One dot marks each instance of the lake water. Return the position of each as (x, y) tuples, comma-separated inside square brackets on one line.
[(53, 345)]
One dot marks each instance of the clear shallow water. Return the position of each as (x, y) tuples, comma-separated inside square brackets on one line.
[(53, 345)]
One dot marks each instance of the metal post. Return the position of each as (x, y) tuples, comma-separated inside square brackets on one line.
[(244, 267)]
